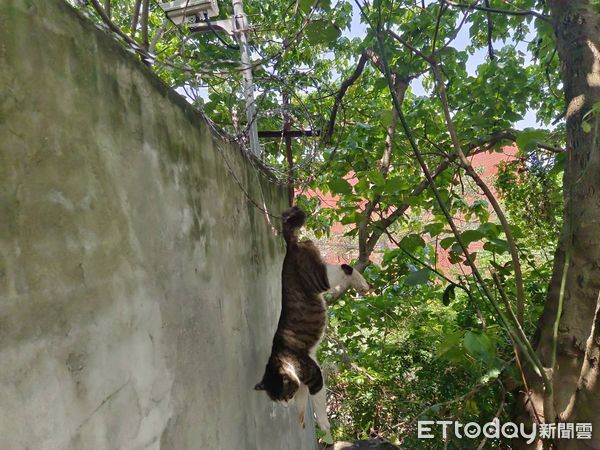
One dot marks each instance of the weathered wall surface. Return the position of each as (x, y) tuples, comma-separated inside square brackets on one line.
[(139, 289)]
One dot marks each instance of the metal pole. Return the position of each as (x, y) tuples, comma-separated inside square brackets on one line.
[(287, 124), (240, 28)]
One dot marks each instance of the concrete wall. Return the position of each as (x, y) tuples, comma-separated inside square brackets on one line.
[(139, 289)]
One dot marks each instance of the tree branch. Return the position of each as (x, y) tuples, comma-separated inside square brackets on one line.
[(144, 24), (439, 77), (516, 338), (500, 11), (358, 70), (474, 148), (416, 51), (136, 16), (289, 156), (436, 31), (364, 251), (550, 148), (490, 31), (135, 46), (100, 10), (486, 191), (157, 35)]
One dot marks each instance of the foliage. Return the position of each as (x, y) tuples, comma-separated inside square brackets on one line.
[(401, 355)]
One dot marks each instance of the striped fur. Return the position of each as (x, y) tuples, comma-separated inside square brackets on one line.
[(303, 316)]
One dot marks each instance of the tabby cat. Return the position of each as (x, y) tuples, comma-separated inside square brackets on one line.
[(292, 369)]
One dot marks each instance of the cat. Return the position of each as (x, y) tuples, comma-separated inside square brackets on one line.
[(292, 368)]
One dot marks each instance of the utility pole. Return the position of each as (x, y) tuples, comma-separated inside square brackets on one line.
[(196, 13), (240, 23), (289, 156)]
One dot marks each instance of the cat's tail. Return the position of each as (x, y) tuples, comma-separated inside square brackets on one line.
[(293, 219)]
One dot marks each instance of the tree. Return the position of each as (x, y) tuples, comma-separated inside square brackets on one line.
[(569, 339)]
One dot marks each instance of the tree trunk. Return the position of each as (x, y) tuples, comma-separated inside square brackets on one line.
[(576, 350), (135, 16), (144, 23)]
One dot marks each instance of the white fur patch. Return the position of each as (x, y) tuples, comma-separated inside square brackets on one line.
[(340, 282), (289, 369)]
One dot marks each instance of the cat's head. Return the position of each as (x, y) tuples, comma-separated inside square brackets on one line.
[(280, 383), (354, 279)]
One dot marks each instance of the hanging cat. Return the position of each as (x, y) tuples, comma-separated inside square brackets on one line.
[(292, 369)]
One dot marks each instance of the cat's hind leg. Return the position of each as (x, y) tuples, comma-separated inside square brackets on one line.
[(301, 399), (319, 401)]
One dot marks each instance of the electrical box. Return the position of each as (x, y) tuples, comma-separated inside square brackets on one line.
[(190, 11)]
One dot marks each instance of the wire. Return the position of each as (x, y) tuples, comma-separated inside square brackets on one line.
[(277, 174), (221, 40), (244, 191)]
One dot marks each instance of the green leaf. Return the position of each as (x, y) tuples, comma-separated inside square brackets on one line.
[(325, 436), (417, 277), (450, 348), (447, 51), (380, 84), (340, 186), (586, 127), (361, 186), (386, 118), (471, 407), (412, 242), (454, 257), (456, 248), (480, 346), (528, 139), (447, 242), (322, 32), (394, 185), (306, 5), (516, 231), (471, 236), (448, 295), (434, 228), (324, 5), (491, 374), (503, 269), (376, 178), (490, 230), (352, 217), (496, 245)]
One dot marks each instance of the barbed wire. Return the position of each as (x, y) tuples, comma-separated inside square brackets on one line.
[(241, 186), (276, 172)]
